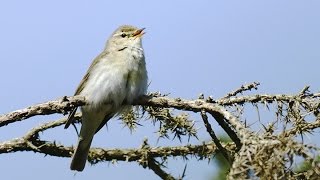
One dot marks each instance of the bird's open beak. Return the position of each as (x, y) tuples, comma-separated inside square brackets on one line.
[(139, 32)]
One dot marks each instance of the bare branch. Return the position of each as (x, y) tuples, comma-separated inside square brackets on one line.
[(265, 98), (62, 106), (155, 167), (246, 87), (215, 139), (254, 153)]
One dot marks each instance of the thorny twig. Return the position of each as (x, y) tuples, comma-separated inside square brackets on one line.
[(246, 87), (260, 153), (215, 139)]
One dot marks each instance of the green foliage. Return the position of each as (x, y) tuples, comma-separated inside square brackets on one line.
[(306, 165), (221, 164)]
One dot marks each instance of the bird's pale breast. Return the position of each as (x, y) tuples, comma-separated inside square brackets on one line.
[(115, 79)]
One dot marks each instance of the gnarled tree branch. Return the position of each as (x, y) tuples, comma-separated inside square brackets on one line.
[(254, 153)]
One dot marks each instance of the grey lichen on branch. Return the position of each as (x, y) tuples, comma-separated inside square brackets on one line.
[(62, 105), (99, 154), (270, 147)]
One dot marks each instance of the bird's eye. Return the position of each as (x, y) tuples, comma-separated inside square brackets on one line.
[(123, 35)]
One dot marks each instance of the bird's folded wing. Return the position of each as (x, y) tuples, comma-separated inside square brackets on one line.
[(70, 118)]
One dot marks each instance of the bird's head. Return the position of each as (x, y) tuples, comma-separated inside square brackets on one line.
[(125, 36)]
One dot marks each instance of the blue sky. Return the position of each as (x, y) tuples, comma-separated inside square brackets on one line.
[(191, 47)]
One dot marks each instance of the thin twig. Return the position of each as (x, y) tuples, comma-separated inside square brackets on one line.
[(215, 139), (155, 167), (304, 90), (246, 87)]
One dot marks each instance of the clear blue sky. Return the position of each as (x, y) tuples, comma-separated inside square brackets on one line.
[(191, 47)]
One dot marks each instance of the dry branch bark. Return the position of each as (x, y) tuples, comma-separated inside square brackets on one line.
[(261, 154)]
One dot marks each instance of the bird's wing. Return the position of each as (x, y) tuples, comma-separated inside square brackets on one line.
[(70, 117), (104, 122), (81, 86)]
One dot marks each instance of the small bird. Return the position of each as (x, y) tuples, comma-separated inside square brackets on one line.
[(116, 78)]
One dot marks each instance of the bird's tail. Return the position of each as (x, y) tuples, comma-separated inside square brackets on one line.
[(80, 155), (91, 122)]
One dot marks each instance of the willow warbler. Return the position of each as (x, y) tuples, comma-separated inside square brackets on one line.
[(113, 81)]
